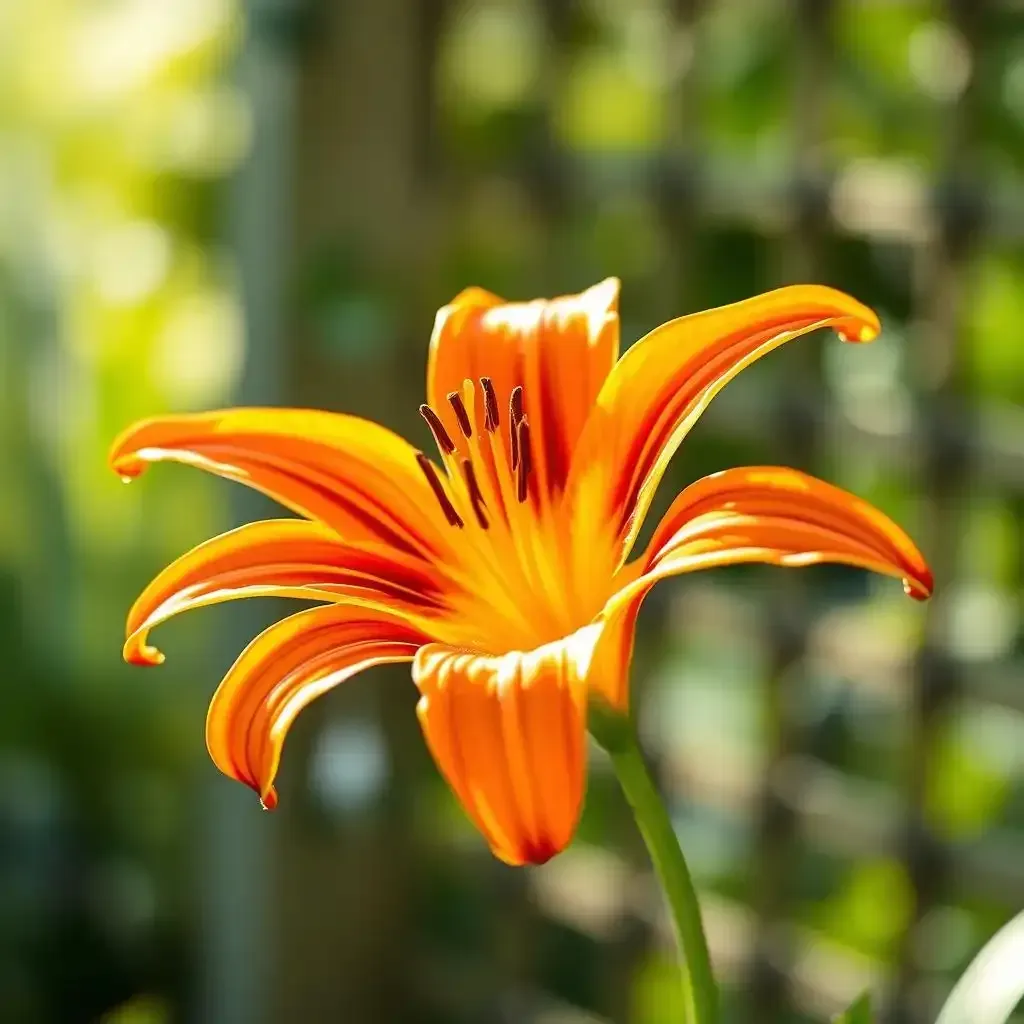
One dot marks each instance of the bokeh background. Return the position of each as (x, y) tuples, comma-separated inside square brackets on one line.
[(206, 202)]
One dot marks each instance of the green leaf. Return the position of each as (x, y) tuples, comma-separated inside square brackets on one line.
[(858, 1013), (994, 983)]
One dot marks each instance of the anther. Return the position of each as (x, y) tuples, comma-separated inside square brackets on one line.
[(444, 442), (490, 404), (443, 500), (515, 404), (525, 460), (475, 497), (460, 413), (515, 414)]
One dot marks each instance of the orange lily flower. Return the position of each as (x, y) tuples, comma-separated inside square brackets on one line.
[(501, 570)]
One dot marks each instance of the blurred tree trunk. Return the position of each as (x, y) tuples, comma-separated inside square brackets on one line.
[(344, 895)]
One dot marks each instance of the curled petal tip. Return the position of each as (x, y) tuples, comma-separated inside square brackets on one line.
[(127, 465), (858, 334), (136, 653), (859, 329), (268, 799), (920, 588)]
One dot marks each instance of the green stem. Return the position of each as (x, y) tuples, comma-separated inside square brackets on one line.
[(700, 991)]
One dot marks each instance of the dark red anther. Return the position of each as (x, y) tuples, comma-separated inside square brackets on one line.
[(515, 414), (515, 404), (444, 442), (490, 404), (460, 413)]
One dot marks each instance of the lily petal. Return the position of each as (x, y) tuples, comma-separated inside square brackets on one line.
[(283, 558), (508, 734), (285, 668), (559, 351), (778, 492), (764, 514), (354, 475), (660, 387)]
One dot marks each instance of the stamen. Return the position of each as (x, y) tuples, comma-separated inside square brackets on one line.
[(444, 442), (515, 404), (525, 460), (443, 500), (460, 413), (475, 497), (490, 404), (515, 414)]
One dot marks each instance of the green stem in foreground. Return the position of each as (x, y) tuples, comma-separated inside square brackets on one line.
[(700, 991)]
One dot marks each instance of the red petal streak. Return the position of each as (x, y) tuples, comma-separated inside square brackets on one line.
[(282, 558), (354, 475)]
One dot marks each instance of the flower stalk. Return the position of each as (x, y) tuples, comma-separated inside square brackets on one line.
[(700, 992)]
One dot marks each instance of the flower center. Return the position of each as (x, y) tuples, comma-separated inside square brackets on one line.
[(514, 549)]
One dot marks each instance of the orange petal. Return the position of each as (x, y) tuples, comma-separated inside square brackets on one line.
[(508, 733), (663, 383), (558, 350), (354, 475), (282, 558), (780, 493), (755, 514), (284, 669)]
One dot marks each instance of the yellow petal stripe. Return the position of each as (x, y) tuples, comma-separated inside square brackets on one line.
[(282, 558), (351, 474)]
